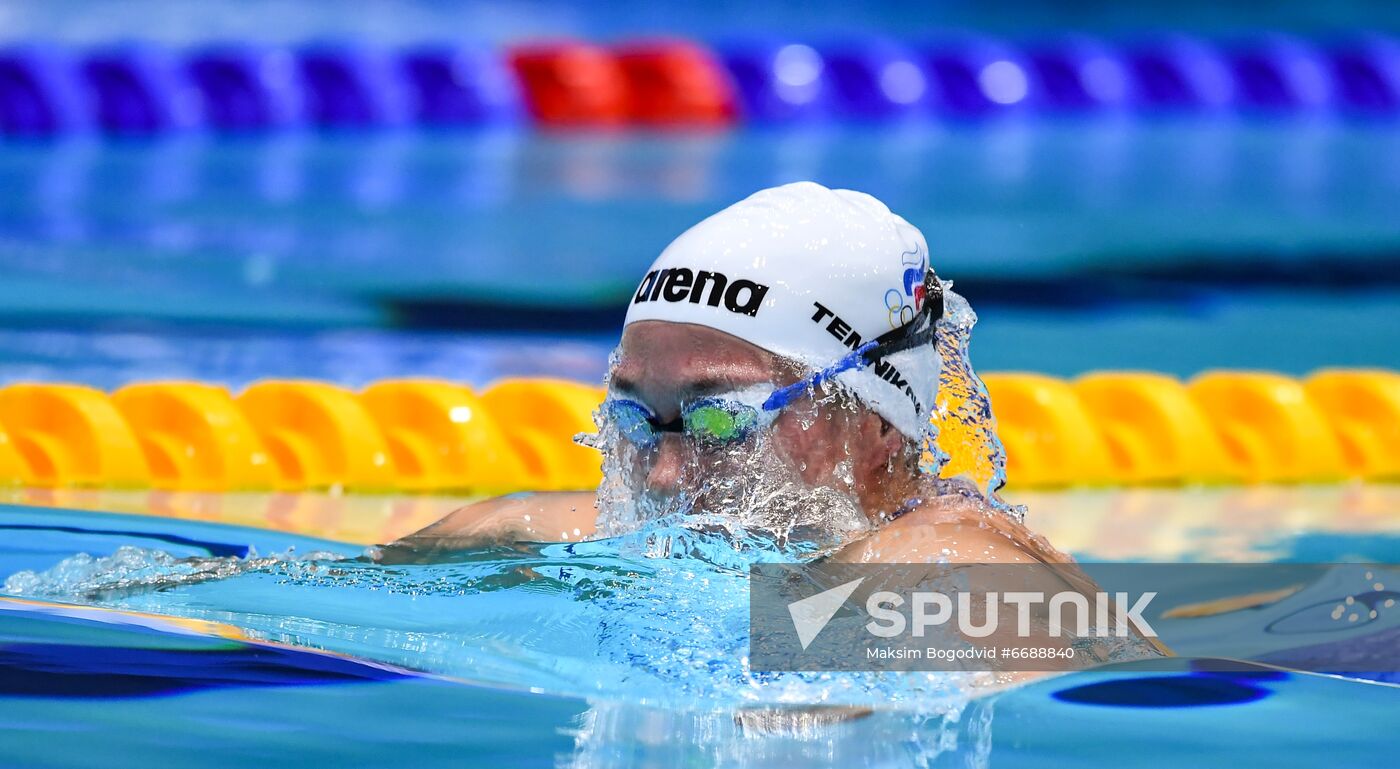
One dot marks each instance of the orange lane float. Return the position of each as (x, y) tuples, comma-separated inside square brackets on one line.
[(195, 437), (442, 437), (1364, 409), (1269, 426), (71, 435), (1049, 436), (1154, 432), (557, 409), (432, 436), (319, 436), (13, 469)]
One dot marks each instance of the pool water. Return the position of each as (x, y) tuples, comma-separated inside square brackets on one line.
[(241, 629), (1174, 245), (282, 648)]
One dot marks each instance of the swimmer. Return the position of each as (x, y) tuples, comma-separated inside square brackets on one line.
[(796, 327)]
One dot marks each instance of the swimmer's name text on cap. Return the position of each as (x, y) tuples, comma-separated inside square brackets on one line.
[(840, 330)]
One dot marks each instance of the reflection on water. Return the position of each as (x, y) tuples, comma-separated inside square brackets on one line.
[(1220, 524), (612, 735), (317, 225), (108, 360)]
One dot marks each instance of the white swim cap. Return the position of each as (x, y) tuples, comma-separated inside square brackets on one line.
[(810, 274)]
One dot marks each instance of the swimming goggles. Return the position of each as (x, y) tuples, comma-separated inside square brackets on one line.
[(730, 418), (712, 421)]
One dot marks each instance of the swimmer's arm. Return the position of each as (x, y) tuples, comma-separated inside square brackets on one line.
[(565, 516)]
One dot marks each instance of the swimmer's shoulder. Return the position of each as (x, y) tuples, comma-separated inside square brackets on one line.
[(952, 528), (561, 516)]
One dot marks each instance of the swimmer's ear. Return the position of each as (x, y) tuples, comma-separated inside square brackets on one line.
[(892, 438), (890, 442)]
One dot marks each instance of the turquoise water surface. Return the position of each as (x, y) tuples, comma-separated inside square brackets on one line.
[(584, 655)]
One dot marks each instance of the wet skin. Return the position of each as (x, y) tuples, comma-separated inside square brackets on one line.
[(664, 365)]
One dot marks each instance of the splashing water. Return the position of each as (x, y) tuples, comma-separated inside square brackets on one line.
[(604, 619), (750, 491), (86, 579), (966, 445)]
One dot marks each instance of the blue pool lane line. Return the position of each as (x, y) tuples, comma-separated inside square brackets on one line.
[(212, 548), (68, 670), (101, 533), (142, 89), (61, 651)]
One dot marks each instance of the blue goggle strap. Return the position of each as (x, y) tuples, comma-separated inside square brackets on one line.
[(784, 396)]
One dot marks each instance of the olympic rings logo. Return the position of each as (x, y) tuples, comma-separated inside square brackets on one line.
[(900, 313)]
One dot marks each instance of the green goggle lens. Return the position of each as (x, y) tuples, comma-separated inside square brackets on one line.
[(715, 423)]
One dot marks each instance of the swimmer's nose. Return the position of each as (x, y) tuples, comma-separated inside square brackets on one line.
[(665, 474)]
